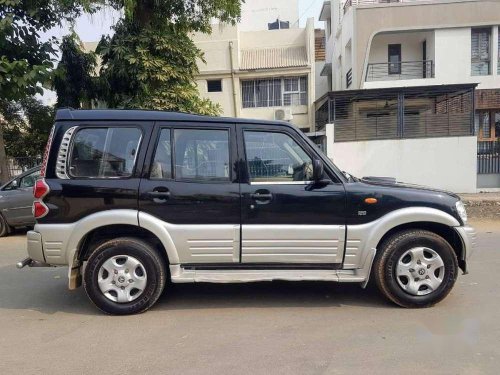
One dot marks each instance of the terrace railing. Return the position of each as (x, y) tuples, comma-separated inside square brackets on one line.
[(388, 71)]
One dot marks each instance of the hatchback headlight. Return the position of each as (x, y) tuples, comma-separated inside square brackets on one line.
[(461, 211)]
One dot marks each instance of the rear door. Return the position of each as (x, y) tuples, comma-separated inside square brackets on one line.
[(190, 183), (286, 218)]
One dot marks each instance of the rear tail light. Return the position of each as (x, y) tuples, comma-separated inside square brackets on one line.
[(40, 189), (45, 159), (39, 209)]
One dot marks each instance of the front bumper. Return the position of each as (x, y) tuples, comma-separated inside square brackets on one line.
[(468, 236)]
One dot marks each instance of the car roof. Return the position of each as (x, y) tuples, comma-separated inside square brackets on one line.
[(68, 114)]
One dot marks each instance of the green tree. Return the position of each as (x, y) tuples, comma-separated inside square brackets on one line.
[(73, 80), (26, 61), (151, 62), (28, 124)]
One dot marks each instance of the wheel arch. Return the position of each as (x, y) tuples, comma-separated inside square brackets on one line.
[(106, 232), (363, 241), (442, 230)]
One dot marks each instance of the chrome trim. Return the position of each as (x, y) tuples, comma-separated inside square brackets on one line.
[(281, 183), (62, 154), (16, 208)]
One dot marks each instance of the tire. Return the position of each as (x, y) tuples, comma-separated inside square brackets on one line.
[(131, 263), (4, 227), (415, 256)]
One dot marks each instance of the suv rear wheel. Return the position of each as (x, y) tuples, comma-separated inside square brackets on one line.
[(124, 276), (415, 268)]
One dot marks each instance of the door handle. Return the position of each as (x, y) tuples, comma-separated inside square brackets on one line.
[(261, 196), (159, 196)]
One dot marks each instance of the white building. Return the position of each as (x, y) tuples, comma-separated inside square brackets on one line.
[(265, 74), (399, 59)]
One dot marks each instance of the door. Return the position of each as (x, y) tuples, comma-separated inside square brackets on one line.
[(191, 185), (17, 200), (286, 218)]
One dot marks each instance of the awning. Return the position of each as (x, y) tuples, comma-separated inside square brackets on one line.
[(271, 58)]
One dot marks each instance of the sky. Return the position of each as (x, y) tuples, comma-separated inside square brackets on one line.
[(91, 28)]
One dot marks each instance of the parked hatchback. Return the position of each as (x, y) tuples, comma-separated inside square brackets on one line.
[(142, 197), (16, 201)]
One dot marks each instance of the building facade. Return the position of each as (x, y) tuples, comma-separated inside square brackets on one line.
[(399, 43), (264, 74)]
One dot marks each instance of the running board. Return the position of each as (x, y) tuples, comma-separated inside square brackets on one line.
[(182, 275)]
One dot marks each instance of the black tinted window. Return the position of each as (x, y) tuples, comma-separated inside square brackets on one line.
[(104, 152), (202, 154), (162, 163)]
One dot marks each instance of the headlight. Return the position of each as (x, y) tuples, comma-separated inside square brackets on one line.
[(461, 211)]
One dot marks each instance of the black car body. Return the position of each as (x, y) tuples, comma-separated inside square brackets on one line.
[(230, 200)]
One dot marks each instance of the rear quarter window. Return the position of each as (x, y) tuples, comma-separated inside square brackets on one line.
[(104, 152)]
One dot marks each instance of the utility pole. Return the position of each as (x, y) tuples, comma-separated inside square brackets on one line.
[(4, 168)]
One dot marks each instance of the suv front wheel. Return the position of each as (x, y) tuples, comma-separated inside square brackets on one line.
[(124, 276), (415, 268)]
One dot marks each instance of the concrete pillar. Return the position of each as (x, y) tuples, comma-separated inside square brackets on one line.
[(494, 50), (330, 140)]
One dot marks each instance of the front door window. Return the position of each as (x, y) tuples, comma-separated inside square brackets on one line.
[(276, 157)]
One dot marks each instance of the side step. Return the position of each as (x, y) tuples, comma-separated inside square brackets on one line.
[(182, 275)]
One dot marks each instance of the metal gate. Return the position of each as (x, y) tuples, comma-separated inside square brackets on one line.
[(488, 157)]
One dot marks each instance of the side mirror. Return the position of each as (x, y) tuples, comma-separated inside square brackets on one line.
[(318, 170), (15, 184)]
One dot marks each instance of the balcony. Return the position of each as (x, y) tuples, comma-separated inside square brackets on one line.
[(391, 71)]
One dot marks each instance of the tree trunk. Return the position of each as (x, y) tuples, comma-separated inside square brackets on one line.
[(4, 169)]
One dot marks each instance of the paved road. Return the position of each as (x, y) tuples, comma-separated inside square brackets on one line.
[(278, 328)]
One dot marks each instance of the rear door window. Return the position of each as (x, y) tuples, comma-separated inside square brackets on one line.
[(104, 152), (201, 155)]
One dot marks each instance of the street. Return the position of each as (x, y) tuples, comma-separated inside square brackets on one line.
[(278, 328)]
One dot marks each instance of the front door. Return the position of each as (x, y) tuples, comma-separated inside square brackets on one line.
[(286, 218), (191, 185)]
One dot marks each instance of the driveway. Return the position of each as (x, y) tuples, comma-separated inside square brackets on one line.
[(263, 328)]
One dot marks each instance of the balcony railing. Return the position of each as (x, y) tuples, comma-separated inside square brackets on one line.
[(389, 71), (350, 3)]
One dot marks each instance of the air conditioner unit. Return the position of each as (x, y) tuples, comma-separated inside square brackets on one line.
[(283, 114)]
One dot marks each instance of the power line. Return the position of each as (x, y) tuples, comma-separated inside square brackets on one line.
[(305, 11)]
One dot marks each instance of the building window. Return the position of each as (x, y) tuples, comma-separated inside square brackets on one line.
[(278, 25), (274, 92), (214, 85), (394, 58), (480, 52)]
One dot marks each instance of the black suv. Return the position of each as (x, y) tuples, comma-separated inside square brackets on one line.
[(131, 199)]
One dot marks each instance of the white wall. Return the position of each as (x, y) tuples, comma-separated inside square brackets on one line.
[(452, 58), (444, 163), (321, 86)]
